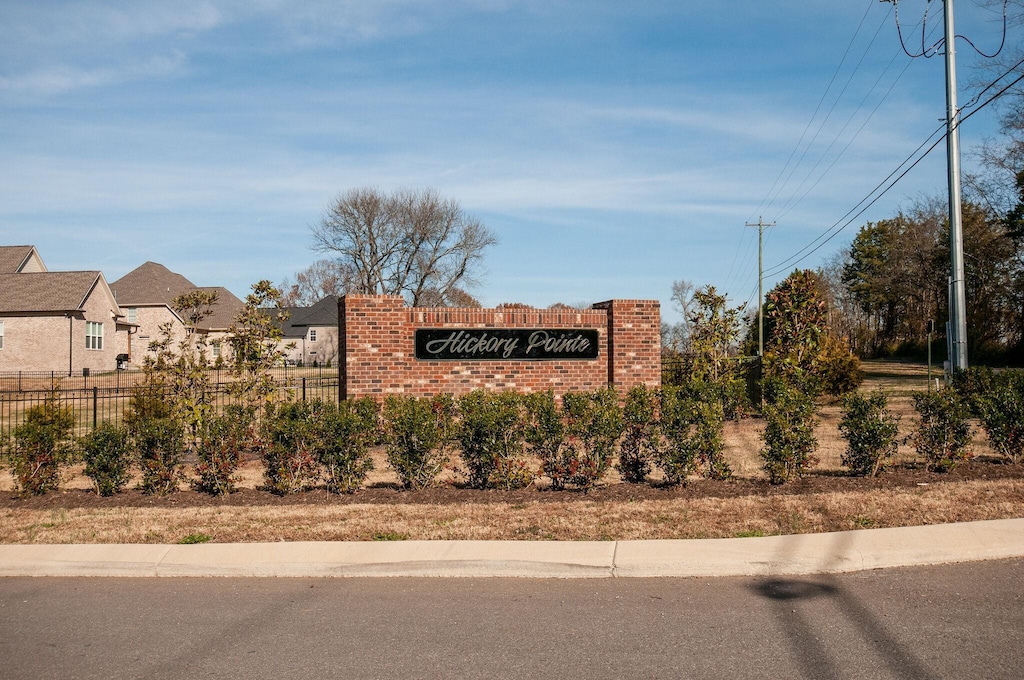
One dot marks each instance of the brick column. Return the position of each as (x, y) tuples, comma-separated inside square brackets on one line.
[(634, 343), (375, 344)]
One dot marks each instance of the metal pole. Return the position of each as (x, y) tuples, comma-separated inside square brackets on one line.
[(958, 296), (931, 327)]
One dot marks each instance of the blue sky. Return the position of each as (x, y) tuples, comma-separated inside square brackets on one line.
[(613, 147)]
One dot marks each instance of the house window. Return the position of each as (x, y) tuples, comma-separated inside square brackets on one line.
[(93, 335), (132, 315), (312, 335), (216, 349), (1, 334)]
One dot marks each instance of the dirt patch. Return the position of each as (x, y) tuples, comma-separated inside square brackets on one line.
[(455, 494)]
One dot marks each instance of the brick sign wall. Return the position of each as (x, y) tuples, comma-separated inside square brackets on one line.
[(525, 350)]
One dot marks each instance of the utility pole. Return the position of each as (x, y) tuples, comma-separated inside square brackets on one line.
[(760, 282), (957, 333), (958, 294)]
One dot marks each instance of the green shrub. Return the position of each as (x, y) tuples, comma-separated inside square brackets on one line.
[(639, 444), (545, 432), (578, 450), (160, 447), (691, 424), (871, 433), (972, 385), (344, 434), (789, 441), (40, 446), (735, 395), (492, 438), (677, 457), (839, 370), (943, 435), (148, 402), (222, 446), (1002, 414), (415, 432), (108, 455), (289, 449)]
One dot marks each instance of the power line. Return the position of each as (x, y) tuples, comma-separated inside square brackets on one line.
[(770, 196), (839, 226), (791, 203), (933, 49)]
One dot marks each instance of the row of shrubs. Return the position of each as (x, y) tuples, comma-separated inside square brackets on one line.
[(678, 430), (944, 432), (306, 443)]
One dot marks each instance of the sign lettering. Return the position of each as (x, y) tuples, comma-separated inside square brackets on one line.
[(515, 344)]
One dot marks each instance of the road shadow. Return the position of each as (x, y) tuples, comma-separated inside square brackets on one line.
[(811, 651)]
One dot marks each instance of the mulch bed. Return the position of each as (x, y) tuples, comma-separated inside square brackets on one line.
[(813, 483)]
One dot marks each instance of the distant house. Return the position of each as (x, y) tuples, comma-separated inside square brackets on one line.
[(314, 332), (146, 295), (56, 321)]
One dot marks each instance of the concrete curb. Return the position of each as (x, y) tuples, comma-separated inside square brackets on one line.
[(767, 556)]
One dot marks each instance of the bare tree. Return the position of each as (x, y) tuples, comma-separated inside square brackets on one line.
[(675, 338), (410, 243), (455, 297), (315, 282)]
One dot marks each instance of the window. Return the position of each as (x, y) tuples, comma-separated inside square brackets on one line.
[(93, 335), (132, 315), (1, 334), (216, 349), (312, 335)]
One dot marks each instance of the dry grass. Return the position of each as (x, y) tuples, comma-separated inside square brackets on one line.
[(575, 518)]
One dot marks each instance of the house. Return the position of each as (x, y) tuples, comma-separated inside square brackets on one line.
[(314, 332), (146, 295), (57, 321)]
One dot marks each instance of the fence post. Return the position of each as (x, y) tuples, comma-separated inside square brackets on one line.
[(95, 405), (303, 388)]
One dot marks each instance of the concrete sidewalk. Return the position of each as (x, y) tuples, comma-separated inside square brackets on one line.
[(768, 556)]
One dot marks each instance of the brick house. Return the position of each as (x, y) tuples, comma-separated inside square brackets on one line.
[(146, 295), (65, 322)]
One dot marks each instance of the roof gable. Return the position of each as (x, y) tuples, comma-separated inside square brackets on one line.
[(18, 259)]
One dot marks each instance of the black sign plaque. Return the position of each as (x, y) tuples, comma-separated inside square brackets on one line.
[(505, 344)]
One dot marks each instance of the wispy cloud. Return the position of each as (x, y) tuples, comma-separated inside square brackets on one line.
[(32, 29), (60, 78)]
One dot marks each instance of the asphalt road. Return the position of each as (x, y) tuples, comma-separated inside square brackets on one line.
[(958, 621)]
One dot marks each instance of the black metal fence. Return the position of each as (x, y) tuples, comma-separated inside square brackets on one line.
[(33, 381), (95, 404)]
